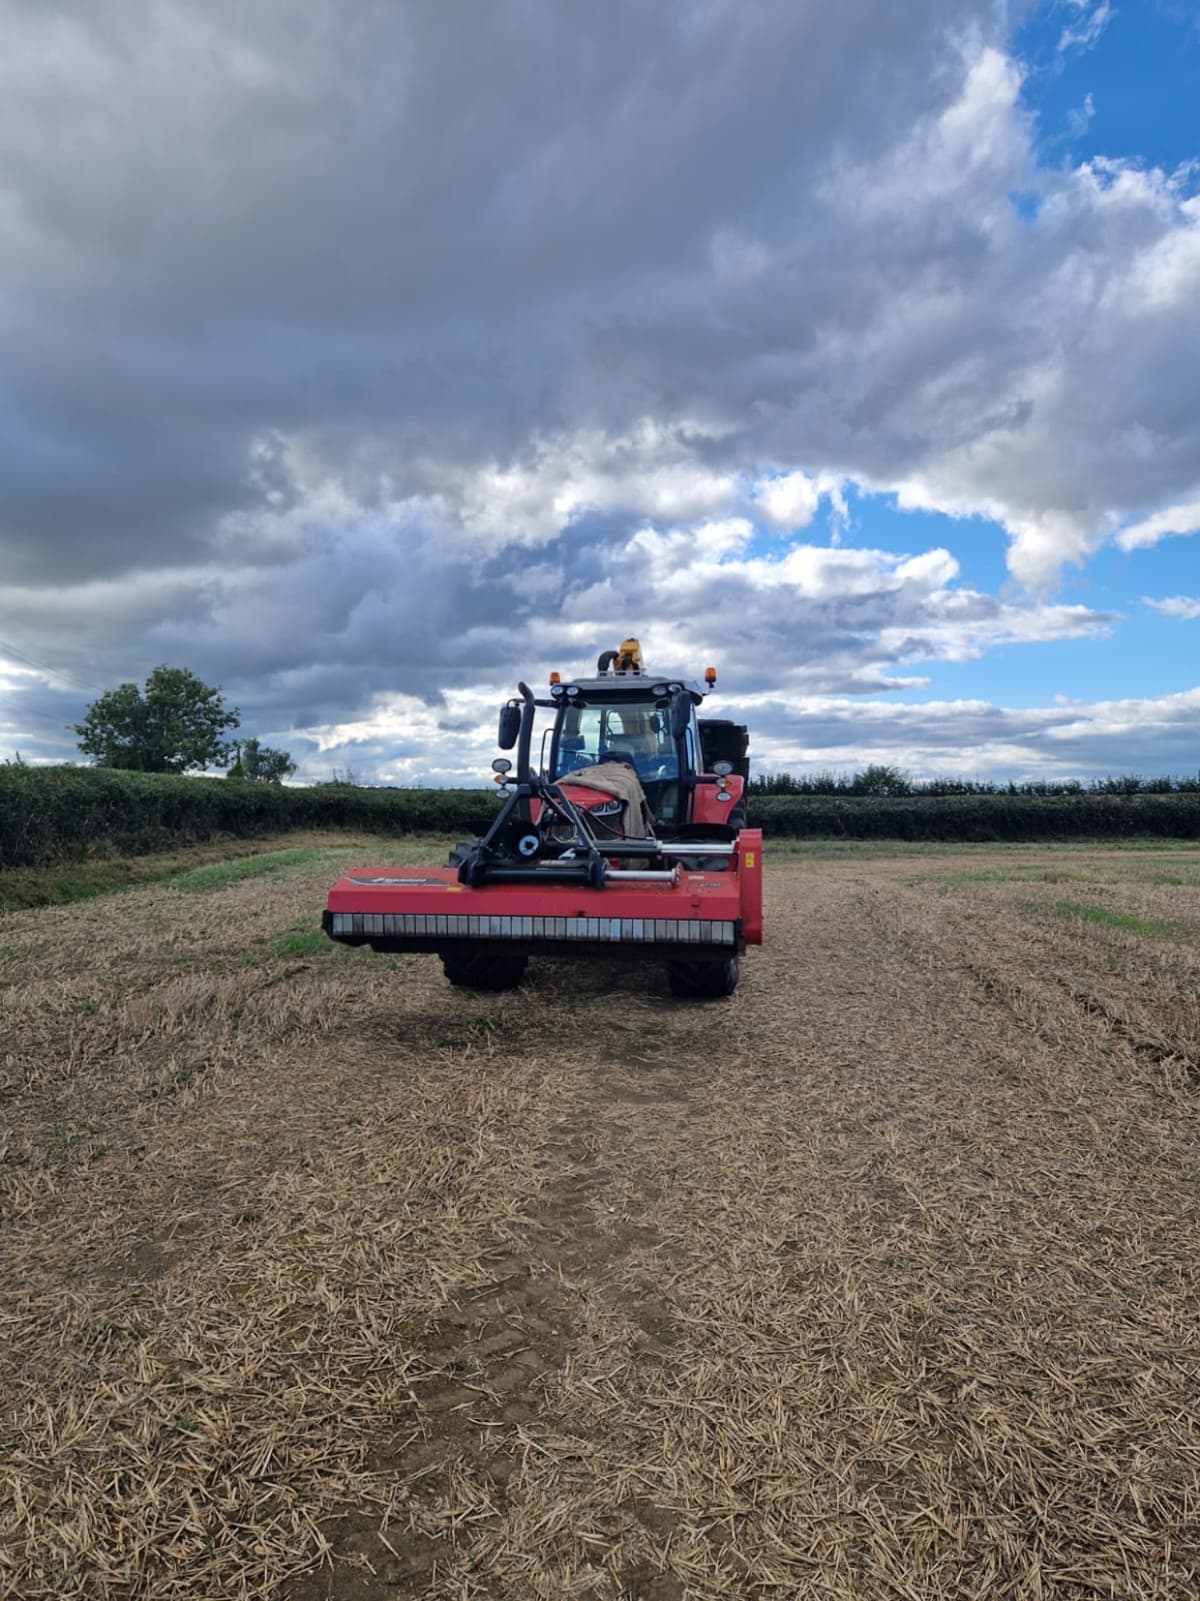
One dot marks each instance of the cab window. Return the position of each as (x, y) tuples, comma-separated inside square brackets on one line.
[(638, 734)]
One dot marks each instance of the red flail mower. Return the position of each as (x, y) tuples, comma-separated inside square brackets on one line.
[(629, 842)]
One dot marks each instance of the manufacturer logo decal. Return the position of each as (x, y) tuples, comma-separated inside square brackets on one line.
[(381, 881)]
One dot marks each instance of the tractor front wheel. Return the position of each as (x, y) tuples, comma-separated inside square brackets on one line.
[(479, 972), (703, 981)]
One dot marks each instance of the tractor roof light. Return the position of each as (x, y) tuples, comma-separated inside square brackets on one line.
[(710, 675), (556, 678), (572, 691)]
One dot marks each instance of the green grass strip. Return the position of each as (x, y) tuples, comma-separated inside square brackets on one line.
[(23, 888), (1125, 922), (310, 942), (216, 875)]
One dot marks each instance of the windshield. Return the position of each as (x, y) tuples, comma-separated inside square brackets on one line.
[(636, 731)]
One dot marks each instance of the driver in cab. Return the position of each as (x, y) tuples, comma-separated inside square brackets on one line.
[(639, 735)]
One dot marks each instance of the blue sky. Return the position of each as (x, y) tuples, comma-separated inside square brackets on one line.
[(855, 348), (1142, 655), (1127, 87)]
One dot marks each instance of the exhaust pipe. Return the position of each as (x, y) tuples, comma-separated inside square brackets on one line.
[(525, 738)]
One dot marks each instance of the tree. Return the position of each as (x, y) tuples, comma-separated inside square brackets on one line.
[(878, 779), (175, 724), (260, 763)]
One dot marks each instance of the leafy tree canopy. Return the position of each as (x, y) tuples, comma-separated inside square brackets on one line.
[(260, 763), (879, 779), (173, 725)]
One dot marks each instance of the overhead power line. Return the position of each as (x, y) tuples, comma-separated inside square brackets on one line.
[(46, 718), (40, 667)]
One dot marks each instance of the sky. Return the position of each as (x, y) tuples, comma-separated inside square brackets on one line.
[(366, 359)]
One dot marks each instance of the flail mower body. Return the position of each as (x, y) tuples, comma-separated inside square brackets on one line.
[(619, 846)]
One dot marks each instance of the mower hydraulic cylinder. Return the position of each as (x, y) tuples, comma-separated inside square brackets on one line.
[(648, 873), (700, 848)]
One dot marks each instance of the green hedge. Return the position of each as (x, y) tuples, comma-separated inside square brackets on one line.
[(978, 817), (50, 814)]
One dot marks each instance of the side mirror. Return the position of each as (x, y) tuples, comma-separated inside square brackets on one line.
[(681, 713), (510, 725)]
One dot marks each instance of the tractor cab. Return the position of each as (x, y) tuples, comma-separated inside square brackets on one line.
[(626, 747), (650, 728)]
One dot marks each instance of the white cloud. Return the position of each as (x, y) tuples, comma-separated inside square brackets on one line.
[(1090, 19), (371, 646), (1079, 117), (975, 738), (652, 467), (790, 501), (1175, 606), (1172, 520), (966, 150)]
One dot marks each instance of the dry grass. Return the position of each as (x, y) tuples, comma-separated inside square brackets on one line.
[(879, 1280)]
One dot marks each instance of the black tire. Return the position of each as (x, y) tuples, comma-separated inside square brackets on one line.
[(473, 971), (461, 851), (703, 981), (737, 817)]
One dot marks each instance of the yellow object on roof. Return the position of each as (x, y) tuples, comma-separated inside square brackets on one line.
[(629, 657)]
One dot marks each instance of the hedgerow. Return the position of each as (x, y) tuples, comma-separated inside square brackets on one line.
[(52, 814), (997, 817), (881, 781)]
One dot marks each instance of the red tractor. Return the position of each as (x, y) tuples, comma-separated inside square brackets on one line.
[(630, 841)]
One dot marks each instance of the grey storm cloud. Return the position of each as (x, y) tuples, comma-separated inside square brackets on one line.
[(349, 352), (397, 229)]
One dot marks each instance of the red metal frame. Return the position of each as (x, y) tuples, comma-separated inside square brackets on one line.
[(732, 894), (706, 808), (749, 873)]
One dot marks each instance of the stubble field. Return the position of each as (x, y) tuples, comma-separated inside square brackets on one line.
[(880, 1279)]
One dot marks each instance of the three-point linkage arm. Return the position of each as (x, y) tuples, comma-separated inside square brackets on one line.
[(508, 852)]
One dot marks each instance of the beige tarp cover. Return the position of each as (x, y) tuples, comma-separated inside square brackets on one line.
[(620, 780)]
